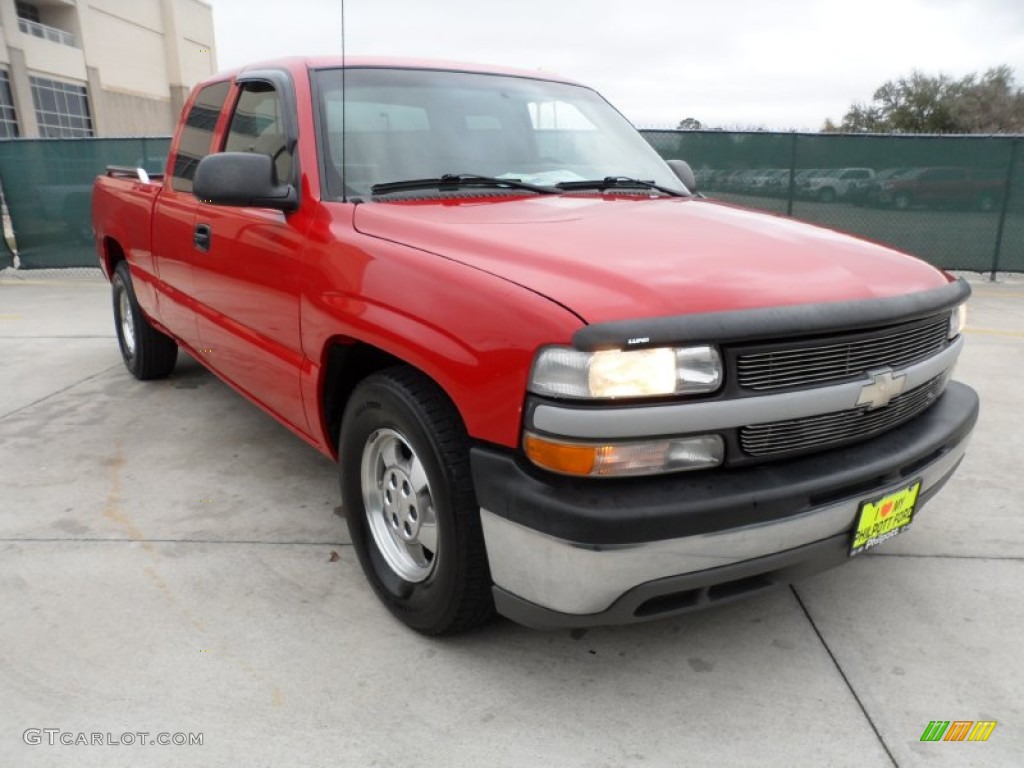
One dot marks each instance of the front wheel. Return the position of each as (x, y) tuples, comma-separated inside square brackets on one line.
[(147, 353), (409, 503)]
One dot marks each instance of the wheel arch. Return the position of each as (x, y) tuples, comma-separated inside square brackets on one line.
[(113, 254), (346, 362)]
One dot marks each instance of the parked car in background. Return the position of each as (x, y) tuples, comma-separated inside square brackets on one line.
[(705, 177), (778, 184), (760, 182), (865, 191), (829, 186), (803, 178), (943, 187)]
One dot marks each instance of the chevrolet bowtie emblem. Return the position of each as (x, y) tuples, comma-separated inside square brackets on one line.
[(883, 388)]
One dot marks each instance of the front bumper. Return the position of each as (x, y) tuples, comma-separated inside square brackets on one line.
[(567, 552)]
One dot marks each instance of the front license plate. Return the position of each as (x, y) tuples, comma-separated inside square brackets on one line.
[(883, 518)]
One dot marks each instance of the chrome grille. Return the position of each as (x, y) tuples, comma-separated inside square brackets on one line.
[(828, 429), (780, 368)]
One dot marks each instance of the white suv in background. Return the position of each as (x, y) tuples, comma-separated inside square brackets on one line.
[(827, 188)]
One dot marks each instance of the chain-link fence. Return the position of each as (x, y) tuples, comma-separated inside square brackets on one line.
[(957, 201), (47, 185)]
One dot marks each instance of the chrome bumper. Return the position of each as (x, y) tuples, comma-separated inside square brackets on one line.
[(578, 579)]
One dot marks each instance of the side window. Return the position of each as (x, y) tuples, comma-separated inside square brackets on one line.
[(197, 134), (258, 126)]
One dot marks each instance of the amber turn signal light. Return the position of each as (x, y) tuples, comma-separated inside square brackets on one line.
[(560, 457), (624, 459)]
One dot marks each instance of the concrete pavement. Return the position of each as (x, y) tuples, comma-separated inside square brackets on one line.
[(166, 566)]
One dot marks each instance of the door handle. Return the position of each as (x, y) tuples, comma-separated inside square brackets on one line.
[(202, 236)]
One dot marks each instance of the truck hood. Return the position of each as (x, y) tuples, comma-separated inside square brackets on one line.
[(616, 257)]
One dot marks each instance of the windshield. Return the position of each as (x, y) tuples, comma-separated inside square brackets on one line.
[(406, 124)]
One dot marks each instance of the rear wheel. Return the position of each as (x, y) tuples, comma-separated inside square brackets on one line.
[(901, 201), (409, 503), (147, 353)]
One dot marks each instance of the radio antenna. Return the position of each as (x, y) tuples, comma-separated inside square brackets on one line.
[(344, 127)]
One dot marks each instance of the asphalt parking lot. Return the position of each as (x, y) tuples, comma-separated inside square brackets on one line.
[(167, 566)]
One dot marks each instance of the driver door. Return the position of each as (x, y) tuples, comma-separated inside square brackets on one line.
[(248, 271)]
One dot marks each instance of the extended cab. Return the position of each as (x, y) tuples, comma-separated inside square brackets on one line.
[(557, 381)]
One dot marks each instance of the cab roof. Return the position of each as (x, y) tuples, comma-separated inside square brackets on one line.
[(297, 63)]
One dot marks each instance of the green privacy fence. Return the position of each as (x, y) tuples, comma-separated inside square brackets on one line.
[(47, 185), (957, 201)]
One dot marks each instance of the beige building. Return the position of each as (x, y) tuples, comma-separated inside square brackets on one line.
[(73, 68)]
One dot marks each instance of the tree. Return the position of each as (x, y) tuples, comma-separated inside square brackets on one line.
[(690, 124), (990, 103)]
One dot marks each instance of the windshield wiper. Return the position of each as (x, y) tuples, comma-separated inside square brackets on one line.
[(452, 181), (620, 182)]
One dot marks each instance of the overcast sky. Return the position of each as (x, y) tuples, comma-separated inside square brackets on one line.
[(778, 63)]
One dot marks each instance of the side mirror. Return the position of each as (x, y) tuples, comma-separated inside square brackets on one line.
[(242, 179), (684, 173)]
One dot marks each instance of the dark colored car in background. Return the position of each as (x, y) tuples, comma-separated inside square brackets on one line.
[(942, 187)]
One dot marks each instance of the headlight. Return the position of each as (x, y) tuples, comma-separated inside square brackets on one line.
[(626, 459), (615, 373), (958, 320)]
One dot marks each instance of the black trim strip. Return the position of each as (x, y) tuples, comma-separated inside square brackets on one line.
[(771, 322)]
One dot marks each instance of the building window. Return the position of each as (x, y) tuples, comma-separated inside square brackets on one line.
[(28, 11), (8, 119), (29, 23), (62, 109)]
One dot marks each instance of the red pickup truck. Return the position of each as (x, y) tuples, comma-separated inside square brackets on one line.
[(558, 382)]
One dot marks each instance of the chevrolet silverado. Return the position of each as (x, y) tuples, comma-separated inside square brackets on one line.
[(558, 381)]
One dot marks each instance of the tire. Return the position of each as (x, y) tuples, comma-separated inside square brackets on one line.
[(901, 201), (147, 353), (409, 503), (827, 195)]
